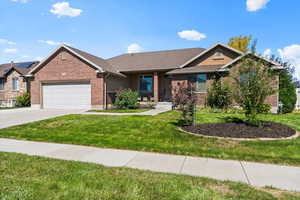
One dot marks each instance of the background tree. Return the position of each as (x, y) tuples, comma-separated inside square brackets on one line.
[(287, 89), (252, 84), (240, 43)]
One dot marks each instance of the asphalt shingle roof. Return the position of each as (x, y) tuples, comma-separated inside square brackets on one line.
[(157, 60), (7, 67)]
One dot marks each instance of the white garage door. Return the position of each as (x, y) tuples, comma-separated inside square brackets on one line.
[(67, 95)]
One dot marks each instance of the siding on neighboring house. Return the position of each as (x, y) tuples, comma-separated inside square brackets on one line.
[(66, 67), (298, 98), (8, 95)]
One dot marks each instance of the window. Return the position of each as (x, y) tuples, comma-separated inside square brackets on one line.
[(201, 82), (15, 84), (146, 84), (246, 77), (1, 84)]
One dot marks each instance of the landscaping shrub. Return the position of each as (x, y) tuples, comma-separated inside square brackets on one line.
[(126, 99), (23, 100), (185, 100), (219, 96), (264, 108)]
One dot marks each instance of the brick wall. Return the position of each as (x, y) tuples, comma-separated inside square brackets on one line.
[(67, 68), (8, 93)]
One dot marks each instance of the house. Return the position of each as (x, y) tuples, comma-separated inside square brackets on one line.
[(298, 99), (71, 78), (13, 82)]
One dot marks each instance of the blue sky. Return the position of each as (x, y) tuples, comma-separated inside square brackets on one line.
[(30, 29)]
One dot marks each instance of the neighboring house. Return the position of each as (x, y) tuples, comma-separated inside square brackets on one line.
[(13, 81), (71, 78), (298, 98)]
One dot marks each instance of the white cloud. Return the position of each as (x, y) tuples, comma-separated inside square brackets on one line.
[(64, 9), (4, 41), (292, 54), (49, 42), (10, 51), (267, 53), (255, 5), (134, 48), (21, 1), (191, 35)]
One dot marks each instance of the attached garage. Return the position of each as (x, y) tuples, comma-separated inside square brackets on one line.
[(67, 95)]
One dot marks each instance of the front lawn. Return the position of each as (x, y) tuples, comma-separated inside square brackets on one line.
[(160, 134), (31, 177), (9, 108), (122, 111)]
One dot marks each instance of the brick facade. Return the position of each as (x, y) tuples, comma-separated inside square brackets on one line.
[(8, 95), (66, 67), (210, 60)]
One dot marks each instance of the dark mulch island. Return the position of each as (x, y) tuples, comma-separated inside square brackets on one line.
[(242, 130)]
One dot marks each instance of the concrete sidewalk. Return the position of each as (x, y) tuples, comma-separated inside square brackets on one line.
[(257, 174)]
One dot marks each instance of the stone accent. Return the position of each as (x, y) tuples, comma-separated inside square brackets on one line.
[(67, 68)]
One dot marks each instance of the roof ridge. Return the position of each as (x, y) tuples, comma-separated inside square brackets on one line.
[(159, 51)]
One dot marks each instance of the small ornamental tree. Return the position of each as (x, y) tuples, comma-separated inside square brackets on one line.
[(185, 100), (126, 99), (252, 84), (219, 96)]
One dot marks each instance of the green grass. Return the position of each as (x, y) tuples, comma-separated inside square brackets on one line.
[(31, 177), (122, 111), (160, 134), (9, 108)]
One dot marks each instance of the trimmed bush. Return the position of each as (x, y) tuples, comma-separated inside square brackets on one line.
[(264, 108), (23, 100), (219, 96), (126, 99)]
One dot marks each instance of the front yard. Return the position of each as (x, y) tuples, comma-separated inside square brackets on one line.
[(31, 177), (140, 110), (160, 134)]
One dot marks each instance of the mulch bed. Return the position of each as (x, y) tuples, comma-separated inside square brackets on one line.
[(241, 130)]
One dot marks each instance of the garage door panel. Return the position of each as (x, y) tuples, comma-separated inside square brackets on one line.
[(67, 95)]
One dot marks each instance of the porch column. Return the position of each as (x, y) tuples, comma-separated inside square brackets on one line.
[(155, 86)]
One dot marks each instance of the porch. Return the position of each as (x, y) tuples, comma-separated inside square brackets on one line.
[(151, 86)]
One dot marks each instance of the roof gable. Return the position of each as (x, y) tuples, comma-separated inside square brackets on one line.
[(22, 68), (274, 65), (209, 50), (100, 64)]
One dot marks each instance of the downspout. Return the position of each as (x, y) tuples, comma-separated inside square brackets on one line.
[(105, 91)]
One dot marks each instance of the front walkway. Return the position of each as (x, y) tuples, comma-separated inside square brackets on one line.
[(257, 174), (158, 109)]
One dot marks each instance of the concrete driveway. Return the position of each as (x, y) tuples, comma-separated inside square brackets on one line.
[(25, 115)]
